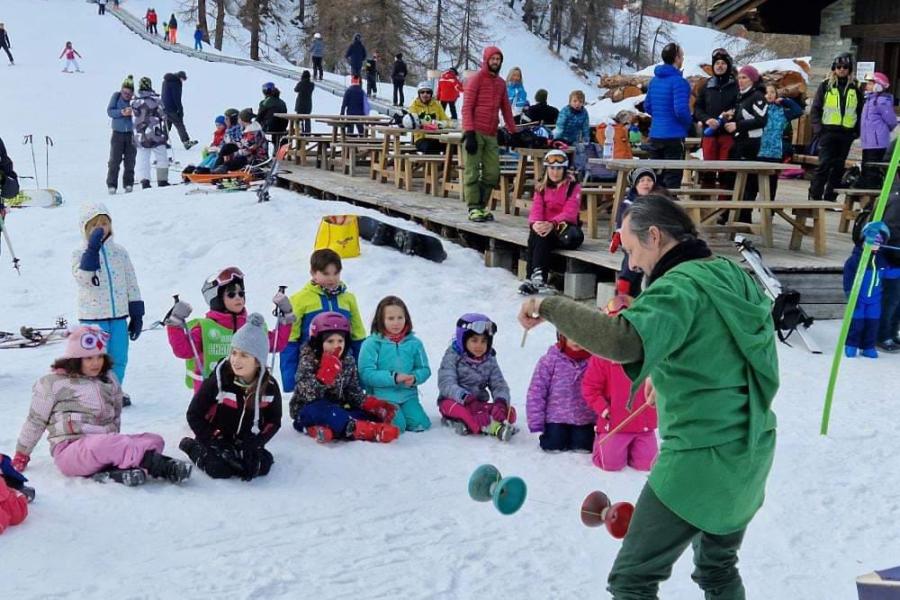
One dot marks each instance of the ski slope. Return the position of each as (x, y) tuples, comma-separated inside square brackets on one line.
[(352, 520)]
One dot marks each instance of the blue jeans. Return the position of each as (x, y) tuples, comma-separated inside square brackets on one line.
[(198, 45), (118, 342)]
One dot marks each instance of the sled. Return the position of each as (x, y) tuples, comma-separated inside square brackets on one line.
[(213, 177), (45, 198)]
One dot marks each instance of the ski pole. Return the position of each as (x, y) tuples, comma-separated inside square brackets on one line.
[(277, 314), (187, 332), (15, 259), (48, 141), (29, 141)]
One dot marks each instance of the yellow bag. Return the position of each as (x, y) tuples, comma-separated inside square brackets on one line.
[(339, 233)]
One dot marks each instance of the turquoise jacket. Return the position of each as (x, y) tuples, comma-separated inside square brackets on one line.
[(380, 359)]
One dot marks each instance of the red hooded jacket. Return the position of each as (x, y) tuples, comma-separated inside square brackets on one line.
[(449, 87), (485, 97)]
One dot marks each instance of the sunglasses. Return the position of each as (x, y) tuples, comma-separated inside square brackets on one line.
[(479, 327), (235, 294), (842, 67), (427, 93)]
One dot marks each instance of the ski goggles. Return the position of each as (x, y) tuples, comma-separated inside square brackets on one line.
[(479, 327), (556, 162), (94, 339), (226, 276)]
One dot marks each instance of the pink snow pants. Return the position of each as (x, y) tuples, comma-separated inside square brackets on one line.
[(475, 414), (637, 450), (98, 451)]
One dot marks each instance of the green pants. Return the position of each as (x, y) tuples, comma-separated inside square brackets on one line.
[(655, 540), (482, 172)]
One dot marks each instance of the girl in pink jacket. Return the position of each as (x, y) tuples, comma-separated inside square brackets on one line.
[(210, 336), (553, 220), (606, 389), (70, 53), (79, 405)]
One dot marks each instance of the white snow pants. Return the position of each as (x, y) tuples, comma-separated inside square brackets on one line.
[(71, 62), (142, 164)]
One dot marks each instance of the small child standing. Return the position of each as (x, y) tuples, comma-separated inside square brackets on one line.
[(607, 389), (328, 401), (779, 115), (108, 293), (324, 293), (393, 363), (863, 333), (70, 53), (473, 394), (79, 404), (237, 410), (210, 336), (555, 405)]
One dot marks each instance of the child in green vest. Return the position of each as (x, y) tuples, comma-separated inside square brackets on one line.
[(210, 336)]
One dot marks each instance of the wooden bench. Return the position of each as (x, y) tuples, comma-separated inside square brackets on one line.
[(702, 211), (431, 163), (595, 198), (849, 212), (350, 154), (379, 170), (808, 160), (301, 145)]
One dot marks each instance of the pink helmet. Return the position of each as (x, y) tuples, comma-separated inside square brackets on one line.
[(328, 321), (880, 79)]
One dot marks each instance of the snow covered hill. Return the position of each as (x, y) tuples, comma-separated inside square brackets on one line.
[(352, 520)]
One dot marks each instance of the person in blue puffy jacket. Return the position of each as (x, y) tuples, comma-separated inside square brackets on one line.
[(668, 102)]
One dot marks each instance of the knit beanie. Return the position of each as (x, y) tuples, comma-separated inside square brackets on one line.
[(750, 72), (639, 172), (220, 120), (129, 83), (145, 85), (247, 115), (540, 96), (85, 341), (253, 338)]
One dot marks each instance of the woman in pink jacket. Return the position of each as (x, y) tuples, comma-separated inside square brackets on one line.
[(607, 390), (210, 336), (553, 220), (79, 405)]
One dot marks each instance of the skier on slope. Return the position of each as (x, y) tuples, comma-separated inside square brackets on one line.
[(70, 53), (4, 43), (9, 181)]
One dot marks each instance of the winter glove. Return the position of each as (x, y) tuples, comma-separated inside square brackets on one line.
[(227, 453), (500, 411), (90, 259), (615, 242), (179, 314), (20, 462), (135, 319), (283, 304), (471, 142), (382, 409), (329, 369), (251, 457)]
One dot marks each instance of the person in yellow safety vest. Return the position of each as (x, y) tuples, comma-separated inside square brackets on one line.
[(835, 117), (431, 115)]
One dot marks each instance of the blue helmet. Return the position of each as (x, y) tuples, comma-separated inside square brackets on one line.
[(474, 323), (268, 87)]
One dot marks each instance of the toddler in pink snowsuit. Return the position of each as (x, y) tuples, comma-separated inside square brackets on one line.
[(70, 53), (79, 404), (606, 389)]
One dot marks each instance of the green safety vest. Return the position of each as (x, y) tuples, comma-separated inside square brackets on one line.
[(216, 341), (831, 107)]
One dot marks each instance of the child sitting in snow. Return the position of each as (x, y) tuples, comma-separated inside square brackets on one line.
[(79, 404), (393, 363), (328, 401), (211, 152), (555, 405), (210, 336), (473, 395), (237, 410), (607, 390)]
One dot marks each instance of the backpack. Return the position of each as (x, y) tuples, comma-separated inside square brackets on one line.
[(787, 314)]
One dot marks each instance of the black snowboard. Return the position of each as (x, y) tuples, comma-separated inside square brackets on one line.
[(407, 242)]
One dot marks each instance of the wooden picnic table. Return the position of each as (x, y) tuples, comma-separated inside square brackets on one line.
[(741, 168), (340, 123), (536, 155)]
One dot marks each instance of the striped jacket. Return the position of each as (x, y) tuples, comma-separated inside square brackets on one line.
[(68, 408)]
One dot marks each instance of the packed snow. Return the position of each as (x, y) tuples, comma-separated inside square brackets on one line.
[(352, 520)]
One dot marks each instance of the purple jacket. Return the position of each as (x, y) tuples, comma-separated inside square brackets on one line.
[(460, 376), (554, 395), (878, 120)]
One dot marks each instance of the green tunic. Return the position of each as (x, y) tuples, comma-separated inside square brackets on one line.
[(708, 344)]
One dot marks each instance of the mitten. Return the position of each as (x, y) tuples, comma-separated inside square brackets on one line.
[(179, 314), (382, 409), (135, 319), (471, 142), (500, 411), (90, 258), (623, 287), (283, 304), (329, 369), (251, 457), (615, 242), (20, 462)]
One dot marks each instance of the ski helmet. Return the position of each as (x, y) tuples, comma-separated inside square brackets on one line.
[(215, 284), (411, 121), (425, 86), (318, 36), (474, 323), (881, 81), (268, 87), (556, 158), (328, 322)]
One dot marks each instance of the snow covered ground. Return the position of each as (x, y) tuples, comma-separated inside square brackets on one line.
[(353, 520)]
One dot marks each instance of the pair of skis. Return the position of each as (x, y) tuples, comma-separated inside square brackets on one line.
[(32, 337)]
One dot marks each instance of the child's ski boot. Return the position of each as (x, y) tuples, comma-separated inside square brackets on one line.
[(374, 432), (320, 433), (456, 425), (164, 467), (501, 431), (127, 477)]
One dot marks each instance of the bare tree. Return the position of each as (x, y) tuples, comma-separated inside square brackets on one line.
[(220, 24), (437, 34), (201, 19)]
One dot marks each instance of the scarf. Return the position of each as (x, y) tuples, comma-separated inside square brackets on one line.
[(397, 337), (691, 249)]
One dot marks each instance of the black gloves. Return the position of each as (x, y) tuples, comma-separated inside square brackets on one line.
[(471, 142)]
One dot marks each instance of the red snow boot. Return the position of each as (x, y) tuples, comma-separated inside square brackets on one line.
[(320, 433), (375, 432)]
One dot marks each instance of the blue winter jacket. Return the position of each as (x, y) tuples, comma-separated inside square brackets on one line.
[(120, 123), (380, 359), (356, 54), (870, 290), (198, 35), (518, 97), (317, 49), (668, 102), (572, 126), (171, 94), (771, 145), (354, 101)]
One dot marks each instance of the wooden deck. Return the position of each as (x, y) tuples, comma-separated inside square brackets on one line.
[(817, 277)]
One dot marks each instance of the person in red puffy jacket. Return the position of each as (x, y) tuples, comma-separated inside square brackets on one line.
[(13, 506), (449, 89)]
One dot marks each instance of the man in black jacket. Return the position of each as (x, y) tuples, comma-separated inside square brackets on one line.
[(171, 100), (269, 106), (717, 98), (540, 110), (9, 181), (4, 43), (398, 77)]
